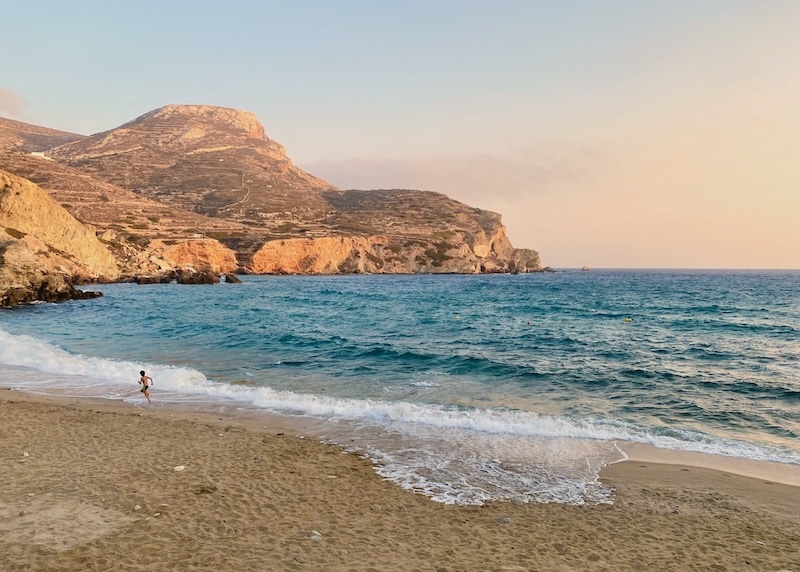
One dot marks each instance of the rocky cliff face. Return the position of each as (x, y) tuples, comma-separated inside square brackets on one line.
[(43, 249), (204, 187), (384, 255), (66, 246), (198, 254), (23, 280)]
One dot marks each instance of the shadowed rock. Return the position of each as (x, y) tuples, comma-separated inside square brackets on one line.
[(202, 277)]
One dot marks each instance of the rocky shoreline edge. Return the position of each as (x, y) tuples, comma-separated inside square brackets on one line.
[(55, 288)]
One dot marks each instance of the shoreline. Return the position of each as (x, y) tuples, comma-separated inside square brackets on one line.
[(781, 473), (254, 494), (635, 452)]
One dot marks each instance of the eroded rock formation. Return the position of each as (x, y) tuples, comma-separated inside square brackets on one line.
[(43, 250), (386, 255), (61, 243), (200, 254)]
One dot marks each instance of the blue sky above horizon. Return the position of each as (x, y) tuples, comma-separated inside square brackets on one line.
[(612, 133)]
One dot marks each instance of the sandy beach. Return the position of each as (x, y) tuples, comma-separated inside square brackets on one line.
[(102, 485)]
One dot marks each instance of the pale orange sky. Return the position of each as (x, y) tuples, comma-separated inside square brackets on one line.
[(679, 151), (609, 133)]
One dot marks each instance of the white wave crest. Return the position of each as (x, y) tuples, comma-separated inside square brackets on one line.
[(28, 352)]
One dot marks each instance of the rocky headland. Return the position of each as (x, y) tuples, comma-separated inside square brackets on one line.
[(43, 249), (193, 188)]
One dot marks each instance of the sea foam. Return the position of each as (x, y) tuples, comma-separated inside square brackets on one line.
[(79, 370)]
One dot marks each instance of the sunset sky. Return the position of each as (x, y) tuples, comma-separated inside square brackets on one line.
[(661, 134)]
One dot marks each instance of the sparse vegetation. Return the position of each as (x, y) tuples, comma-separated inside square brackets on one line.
[(356, 227), (439, 254), (15, 233), (377, 261), (222, 235), (138, 240), (287, 227)]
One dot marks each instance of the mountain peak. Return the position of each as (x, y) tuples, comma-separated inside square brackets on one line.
[(178, 131), (236, 118)]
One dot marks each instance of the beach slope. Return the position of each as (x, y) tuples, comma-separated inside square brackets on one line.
[(97, 485)]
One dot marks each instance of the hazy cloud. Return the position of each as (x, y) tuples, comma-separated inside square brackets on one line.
[(472, 177), (11, 103), (543, 181)]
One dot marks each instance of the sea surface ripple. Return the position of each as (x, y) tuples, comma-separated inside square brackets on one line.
[(465, 388)]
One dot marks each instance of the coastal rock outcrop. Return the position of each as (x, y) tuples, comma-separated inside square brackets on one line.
[(525, 260), (23, 281), (61, 244), (386, 255), (202, 277), (200, 253), (43, 249)]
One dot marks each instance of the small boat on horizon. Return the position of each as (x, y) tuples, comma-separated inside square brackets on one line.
[(585, 269)]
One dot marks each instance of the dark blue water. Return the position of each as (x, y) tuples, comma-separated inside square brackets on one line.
[(507, 382)]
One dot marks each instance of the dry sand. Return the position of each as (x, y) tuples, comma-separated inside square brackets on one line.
[(92, 485)]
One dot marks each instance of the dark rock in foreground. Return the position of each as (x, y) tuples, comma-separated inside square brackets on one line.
[(203, 277), (48, 289), (156, 279)]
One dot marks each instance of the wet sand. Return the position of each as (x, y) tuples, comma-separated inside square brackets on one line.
[(93, 485)]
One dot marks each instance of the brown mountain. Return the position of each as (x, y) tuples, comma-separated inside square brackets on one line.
[(212, 160), (25, 138), (109, 207), (182, 175)]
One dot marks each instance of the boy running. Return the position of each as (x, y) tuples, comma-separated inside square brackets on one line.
[(145, 381)]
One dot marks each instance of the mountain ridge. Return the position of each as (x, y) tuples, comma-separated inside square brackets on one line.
[(27, 138), (217, 168)]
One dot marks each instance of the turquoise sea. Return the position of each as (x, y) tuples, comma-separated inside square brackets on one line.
[(463, 388)]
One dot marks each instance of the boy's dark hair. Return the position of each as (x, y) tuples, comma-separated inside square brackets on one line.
[(141, 372)]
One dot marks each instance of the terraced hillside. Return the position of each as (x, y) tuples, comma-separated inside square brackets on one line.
[(193, 172), (212, 160), (19, 137)]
